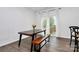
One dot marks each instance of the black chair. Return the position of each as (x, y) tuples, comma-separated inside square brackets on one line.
[(72, 33), (76, 30)]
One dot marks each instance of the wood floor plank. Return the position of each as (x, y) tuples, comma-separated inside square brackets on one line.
[(55, 45)]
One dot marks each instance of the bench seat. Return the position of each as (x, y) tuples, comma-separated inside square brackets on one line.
[(39, 40)]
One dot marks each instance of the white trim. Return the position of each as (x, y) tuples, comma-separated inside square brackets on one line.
[(12, 41), (9, 42)]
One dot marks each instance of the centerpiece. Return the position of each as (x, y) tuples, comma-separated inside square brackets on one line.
[(33, 27)]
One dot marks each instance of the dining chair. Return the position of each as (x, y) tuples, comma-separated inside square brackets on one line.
[(76, 45), (72, 33)]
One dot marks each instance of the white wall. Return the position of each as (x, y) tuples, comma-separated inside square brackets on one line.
[(13, 20), (48, 14), (68, 16), (38, 20)]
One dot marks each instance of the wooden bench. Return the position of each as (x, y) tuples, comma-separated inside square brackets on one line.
[(37, 42)]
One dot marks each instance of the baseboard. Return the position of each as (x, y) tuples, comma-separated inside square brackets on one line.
[(9, 42), (62, 38), (12, 41)]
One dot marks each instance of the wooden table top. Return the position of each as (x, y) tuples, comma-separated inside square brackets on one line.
[(31, 32)]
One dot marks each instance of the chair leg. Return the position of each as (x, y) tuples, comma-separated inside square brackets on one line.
[(70, 40), (74, 48), (77, 46)]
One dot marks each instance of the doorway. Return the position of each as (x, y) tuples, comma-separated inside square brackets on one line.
[(49, 23)]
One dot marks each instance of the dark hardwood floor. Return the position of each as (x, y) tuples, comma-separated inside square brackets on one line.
[(55, 45)]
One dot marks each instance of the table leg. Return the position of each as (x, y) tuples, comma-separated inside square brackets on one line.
[(31, 42), (19, 40)]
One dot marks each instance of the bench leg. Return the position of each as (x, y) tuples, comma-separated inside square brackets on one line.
[(35, 48), (39, 48)]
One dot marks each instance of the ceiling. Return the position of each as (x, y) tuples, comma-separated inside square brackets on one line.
[(37, 9)]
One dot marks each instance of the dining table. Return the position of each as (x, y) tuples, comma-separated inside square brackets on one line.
[(31, 33)]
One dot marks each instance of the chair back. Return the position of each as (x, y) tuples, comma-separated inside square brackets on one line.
[(73, 29)]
